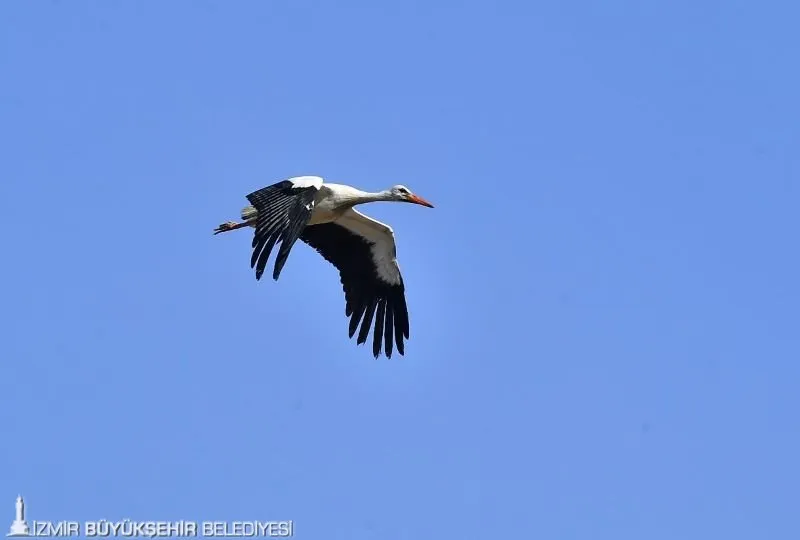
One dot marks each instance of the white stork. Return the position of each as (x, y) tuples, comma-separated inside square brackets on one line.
[(361, 248)]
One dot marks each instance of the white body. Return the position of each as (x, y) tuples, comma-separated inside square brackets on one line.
[(332, 201)]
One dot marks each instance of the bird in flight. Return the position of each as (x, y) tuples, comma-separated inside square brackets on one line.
[(323, 216)]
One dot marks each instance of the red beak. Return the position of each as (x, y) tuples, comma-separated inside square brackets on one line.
[(419, 200)]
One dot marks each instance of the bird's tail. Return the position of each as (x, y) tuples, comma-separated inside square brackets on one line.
[(249, 215)]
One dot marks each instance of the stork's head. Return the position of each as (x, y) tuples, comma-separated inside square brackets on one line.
[(402, 193)]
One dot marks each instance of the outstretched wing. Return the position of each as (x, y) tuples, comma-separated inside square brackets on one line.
[(283, 210), (363, 250)]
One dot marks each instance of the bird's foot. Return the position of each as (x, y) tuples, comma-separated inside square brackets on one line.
[(227, 226)]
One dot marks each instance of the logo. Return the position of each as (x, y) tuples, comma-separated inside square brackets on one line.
[(149, 529), (19, 527)]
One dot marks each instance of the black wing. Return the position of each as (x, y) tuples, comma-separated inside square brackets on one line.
[(283, 211), (364, 289)]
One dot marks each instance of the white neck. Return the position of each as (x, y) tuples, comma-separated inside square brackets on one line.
[(365, 196), (349, 196)]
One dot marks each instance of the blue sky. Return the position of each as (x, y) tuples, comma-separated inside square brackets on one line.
[(604, 303)]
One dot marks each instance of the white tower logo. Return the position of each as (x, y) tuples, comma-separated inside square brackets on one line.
[(19, 527)]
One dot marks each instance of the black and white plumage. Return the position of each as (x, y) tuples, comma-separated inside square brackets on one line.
[(323, 216)]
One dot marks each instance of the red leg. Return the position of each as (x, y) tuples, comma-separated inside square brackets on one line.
[(230, 226)]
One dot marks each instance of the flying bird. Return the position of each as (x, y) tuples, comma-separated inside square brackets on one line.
[(323, 216)]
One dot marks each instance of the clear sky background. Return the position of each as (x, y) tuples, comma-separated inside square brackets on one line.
[(604, 303)]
